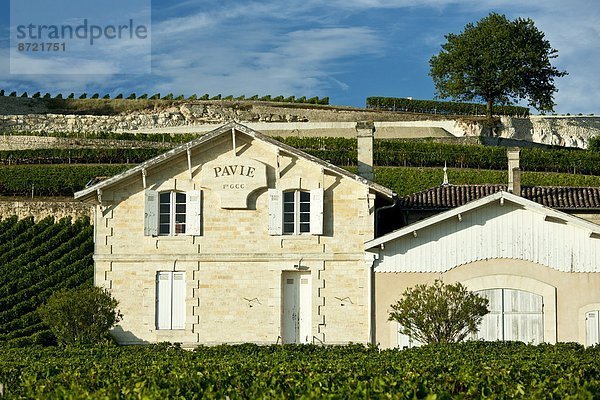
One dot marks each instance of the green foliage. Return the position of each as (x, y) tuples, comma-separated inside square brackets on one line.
[(131, 96), (47, 96), (25, 95), (51, 180), (439, 313), (71, 95), (106, 96), (36, 95), (497, 60), (95, 96), (119, 96), (469, 370), (407, 180), (143, 97), (36, 260), (83, 96), (440, 107), (80, 316), (342, 151), (594, 144), (101, 155), (155, 96)]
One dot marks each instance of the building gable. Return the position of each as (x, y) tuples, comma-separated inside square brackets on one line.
[(498, 226), (230, 131)]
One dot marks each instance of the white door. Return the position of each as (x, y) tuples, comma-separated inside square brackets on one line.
[(592, 325), (296, 324)]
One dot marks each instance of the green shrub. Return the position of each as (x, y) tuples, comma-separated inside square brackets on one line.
[(439, 313), (81, 316), (594, 144), (440, 107)]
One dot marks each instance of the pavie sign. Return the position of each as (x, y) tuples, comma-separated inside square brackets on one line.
[(234, 178)]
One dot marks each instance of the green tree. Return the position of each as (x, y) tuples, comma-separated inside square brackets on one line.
[(80, 316), (497, 60), (594, 144), (439, 313)]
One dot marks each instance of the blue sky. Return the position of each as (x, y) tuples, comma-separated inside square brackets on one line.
[(345, 49)]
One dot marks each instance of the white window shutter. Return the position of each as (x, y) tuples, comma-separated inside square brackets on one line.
[(193, 212), (316, 211), (275, 212), (163, 300), (178, 297), (151, 213)]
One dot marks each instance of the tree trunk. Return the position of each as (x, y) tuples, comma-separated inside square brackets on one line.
[(489, 108)]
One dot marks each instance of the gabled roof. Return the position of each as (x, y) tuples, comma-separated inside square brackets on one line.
[(227, 129), (449, 196), (500, 196)]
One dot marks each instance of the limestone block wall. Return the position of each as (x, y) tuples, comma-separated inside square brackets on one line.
[(42, 209), (234, 269)]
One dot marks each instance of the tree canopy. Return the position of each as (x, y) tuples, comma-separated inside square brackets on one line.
[(497, 61), (439, 313)]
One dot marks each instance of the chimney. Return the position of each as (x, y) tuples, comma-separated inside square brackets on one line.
[(514, 173), (364, 134)]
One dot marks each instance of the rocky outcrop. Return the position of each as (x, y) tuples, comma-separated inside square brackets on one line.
[(571, 131)]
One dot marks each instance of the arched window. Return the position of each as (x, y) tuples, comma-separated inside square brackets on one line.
[(514, 315)]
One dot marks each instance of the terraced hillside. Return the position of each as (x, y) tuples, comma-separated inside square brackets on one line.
[(37, 259)]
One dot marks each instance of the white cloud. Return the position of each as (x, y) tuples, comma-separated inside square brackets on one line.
[(305, 47)]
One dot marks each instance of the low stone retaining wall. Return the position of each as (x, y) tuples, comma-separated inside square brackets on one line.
[(41, 209)]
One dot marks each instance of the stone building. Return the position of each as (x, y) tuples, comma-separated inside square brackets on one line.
[(235, 237), (533, 252)]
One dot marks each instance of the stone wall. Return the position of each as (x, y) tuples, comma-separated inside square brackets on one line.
[(285, 119), (40, 209)]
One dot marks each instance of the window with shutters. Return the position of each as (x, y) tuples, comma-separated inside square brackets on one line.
[(170, 300), (171, 218), (172, 213), (592, 327), (296, 212), (514, 315)]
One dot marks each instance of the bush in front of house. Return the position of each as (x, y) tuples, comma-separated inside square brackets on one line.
[(439, 313), (81, 316)]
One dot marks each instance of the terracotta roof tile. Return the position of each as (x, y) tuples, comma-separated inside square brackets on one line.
[(559, 197)]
